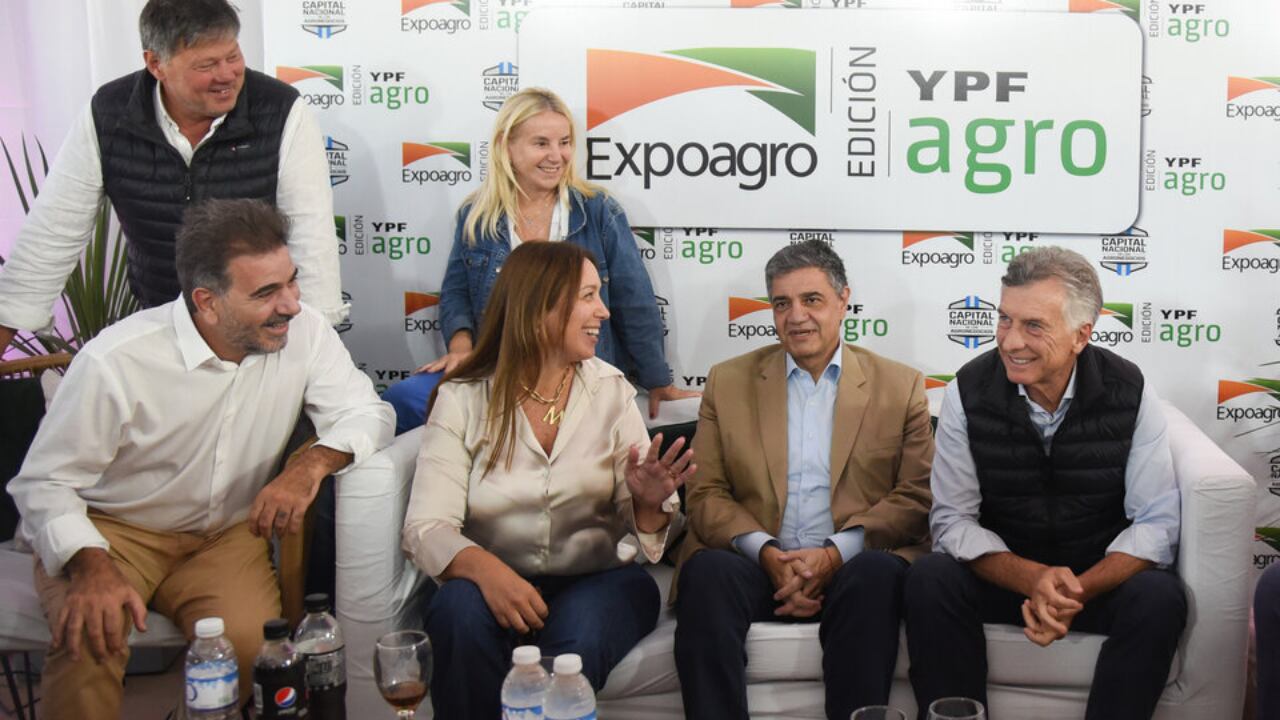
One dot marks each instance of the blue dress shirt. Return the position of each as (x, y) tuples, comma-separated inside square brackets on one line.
[(1151, 498), (806, 517)]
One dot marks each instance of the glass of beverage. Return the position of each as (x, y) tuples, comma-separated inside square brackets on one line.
[(402, 668), (956, 708), (878, 712)]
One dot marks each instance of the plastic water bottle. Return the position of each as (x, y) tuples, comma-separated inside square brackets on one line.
[(319, 639), (570, 696), (525, 689), (213, 677)]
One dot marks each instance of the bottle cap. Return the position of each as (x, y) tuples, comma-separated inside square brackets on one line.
[(317, 602), (568, 664), (526, 655), (210, 627), (275, 629)]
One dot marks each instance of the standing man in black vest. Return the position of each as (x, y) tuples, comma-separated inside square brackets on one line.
[(1054, 502), (193, 124)]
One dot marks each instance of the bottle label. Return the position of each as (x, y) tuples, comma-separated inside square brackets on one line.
[(213, 685), (532, 712), (589, 716), (326, 670)]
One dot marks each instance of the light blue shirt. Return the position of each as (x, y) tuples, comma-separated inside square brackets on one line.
[(1151, 498), (806, 517)]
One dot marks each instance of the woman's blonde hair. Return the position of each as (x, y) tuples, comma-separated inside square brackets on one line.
[(498, 195), (528, 312)]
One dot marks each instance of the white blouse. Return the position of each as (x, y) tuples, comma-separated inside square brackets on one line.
[(568, 513)]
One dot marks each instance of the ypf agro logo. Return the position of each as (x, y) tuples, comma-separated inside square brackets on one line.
[(336, 152), (1236, 258), (620, 81), (324, 18), (971, 321), (1256, 399), (946, 249), (1251, 98), (443, 16), (740, 307), (435, 162), (1124, 254), (321, 86), (1114, 326), (416, 318), (1129, 8)]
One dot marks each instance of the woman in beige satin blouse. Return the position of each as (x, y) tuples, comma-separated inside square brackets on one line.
[(535, 484)]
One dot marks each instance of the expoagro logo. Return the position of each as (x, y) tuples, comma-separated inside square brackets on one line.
[(416, 302), (448, 23), (1128, 7), (619, 81), (314, 83), (1110, 315), (935, 254), (1260, 99), (1233, 240), (1257, 390), (742, 306), (411, 152)]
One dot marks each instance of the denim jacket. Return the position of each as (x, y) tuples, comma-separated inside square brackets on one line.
[(631, 339)]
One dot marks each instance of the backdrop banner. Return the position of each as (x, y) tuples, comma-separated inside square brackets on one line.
[(407, 91)]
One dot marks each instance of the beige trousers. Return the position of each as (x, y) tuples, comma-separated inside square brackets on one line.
[(183, 576)]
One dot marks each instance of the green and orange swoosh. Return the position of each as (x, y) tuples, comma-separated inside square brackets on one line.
[(739, 306), (1230, 389), (1236, 239), (1128, 7), (619, 81), (1122, 312), (413, 152), (331, 74), (911, 238), (415, 301), (408, 6), (1237, 86)]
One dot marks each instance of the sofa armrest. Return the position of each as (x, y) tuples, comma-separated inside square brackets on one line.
[(375, 581), (1214, 562)]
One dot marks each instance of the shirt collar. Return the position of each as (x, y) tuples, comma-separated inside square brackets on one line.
[(167, 123), (1067, 394), (195, 351), (834, 368)]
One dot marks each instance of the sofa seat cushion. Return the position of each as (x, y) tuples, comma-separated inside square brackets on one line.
[(790, 652), (22, 623)]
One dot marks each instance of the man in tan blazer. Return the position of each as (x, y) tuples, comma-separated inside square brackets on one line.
[(810, 499)]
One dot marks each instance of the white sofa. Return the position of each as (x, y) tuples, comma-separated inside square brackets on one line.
[(376, 593)]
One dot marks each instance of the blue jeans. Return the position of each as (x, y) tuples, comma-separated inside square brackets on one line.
[(1266, 619), (599, 616)]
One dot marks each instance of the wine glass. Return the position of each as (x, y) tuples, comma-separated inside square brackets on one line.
[(402, 667), (956, 708), (878, 712)]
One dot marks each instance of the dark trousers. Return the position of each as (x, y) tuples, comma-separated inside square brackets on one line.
[(1266, 619), (721, 593), (946, 605), (599, 616)]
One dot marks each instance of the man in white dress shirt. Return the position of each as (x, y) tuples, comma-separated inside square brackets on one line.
[(150, 480), (193, 124), (1054, 502)]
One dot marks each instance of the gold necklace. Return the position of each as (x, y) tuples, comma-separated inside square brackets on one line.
[(552, 416)]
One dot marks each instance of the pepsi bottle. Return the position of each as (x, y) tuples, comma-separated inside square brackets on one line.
[(279, 675)]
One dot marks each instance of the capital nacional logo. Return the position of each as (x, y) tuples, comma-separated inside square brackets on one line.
[(619, 81)]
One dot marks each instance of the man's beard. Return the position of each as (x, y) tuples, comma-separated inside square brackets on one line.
[(247, 337)]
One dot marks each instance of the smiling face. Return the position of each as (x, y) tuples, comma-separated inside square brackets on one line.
[(807, 313), (200, 82), (1036, 343), (252, 316), (541, 149), (582, 331)]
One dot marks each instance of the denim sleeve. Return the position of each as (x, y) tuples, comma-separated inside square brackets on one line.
[(456, 312), (636, 319)]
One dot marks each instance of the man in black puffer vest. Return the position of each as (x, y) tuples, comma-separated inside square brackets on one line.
[(193, 124), (1054, 502)]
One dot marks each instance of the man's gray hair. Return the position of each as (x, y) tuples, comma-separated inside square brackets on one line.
[(1084, 292), (167, 26), (807, 254)]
